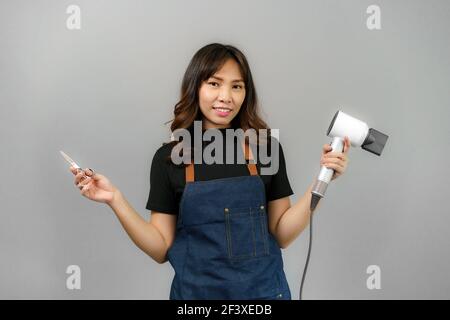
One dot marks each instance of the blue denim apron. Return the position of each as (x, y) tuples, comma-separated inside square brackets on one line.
[(223, 248)]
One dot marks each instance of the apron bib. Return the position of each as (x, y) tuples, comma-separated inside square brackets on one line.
[(223, 249)]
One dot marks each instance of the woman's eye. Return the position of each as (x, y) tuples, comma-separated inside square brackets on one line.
[(216, 84)]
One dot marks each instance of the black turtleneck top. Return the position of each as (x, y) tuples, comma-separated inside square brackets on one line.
[(167, 181)]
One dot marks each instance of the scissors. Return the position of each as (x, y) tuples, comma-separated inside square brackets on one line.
[(69, 160), (73, 163)]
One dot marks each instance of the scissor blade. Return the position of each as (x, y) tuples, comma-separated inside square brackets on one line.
[(69, 159)]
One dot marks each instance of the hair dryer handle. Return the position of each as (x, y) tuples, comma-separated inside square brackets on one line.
[(325, 174)]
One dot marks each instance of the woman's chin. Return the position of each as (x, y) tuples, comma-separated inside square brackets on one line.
[(219, 122)]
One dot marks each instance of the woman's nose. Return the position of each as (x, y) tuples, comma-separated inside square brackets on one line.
[(225, 95)]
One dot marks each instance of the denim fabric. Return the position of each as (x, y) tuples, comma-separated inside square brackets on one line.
[(223, 248)]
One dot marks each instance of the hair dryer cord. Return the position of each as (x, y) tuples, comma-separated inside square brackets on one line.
[(314, 201)]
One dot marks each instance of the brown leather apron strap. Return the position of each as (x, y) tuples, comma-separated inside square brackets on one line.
[(249, 157), (190, 177), (190, 172)]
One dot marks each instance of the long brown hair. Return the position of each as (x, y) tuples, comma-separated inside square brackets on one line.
[(205, 63)]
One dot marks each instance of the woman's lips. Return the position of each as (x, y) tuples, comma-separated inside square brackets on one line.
[(222, 112)]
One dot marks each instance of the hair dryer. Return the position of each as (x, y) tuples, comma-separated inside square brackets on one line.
[(360, 135)]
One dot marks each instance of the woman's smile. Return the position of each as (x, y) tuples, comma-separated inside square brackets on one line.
[(222, 111)]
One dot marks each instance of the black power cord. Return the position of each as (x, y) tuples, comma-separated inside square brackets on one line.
[(314, 201)]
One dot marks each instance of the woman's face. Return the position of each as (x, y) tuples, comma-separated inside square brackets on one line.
[(221, 96)]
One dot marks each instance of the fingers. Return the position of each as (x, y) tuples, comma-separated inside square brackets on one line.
[(83, 179), (81, 175), (337, 161), (89, 172), (326, 148), (338, 167), (347, 144), (331, 155), (82, 184), (85, 186)]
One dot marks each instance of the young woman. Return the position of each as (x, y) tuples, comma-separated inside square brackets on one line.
[(220, 225)]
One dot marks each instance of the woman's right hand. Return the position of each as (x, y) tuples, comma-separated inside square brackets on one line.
[(93, 185)]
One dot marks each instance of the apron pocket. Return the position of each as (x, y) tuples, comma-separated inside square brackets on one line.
[(246, 232)]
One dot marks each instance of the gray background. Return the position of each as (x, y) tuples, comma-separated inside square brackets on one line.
[(103, 93)]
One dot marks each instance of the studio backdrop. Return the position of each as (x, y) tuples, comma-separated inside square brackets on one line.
[(99, 80)]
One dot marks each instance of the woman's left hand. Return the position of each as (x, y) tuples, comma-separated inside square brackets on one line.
[(337, 161)]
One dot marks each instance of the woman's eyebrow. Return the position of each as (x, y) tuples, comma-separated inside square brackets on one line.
[(218, 78)]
